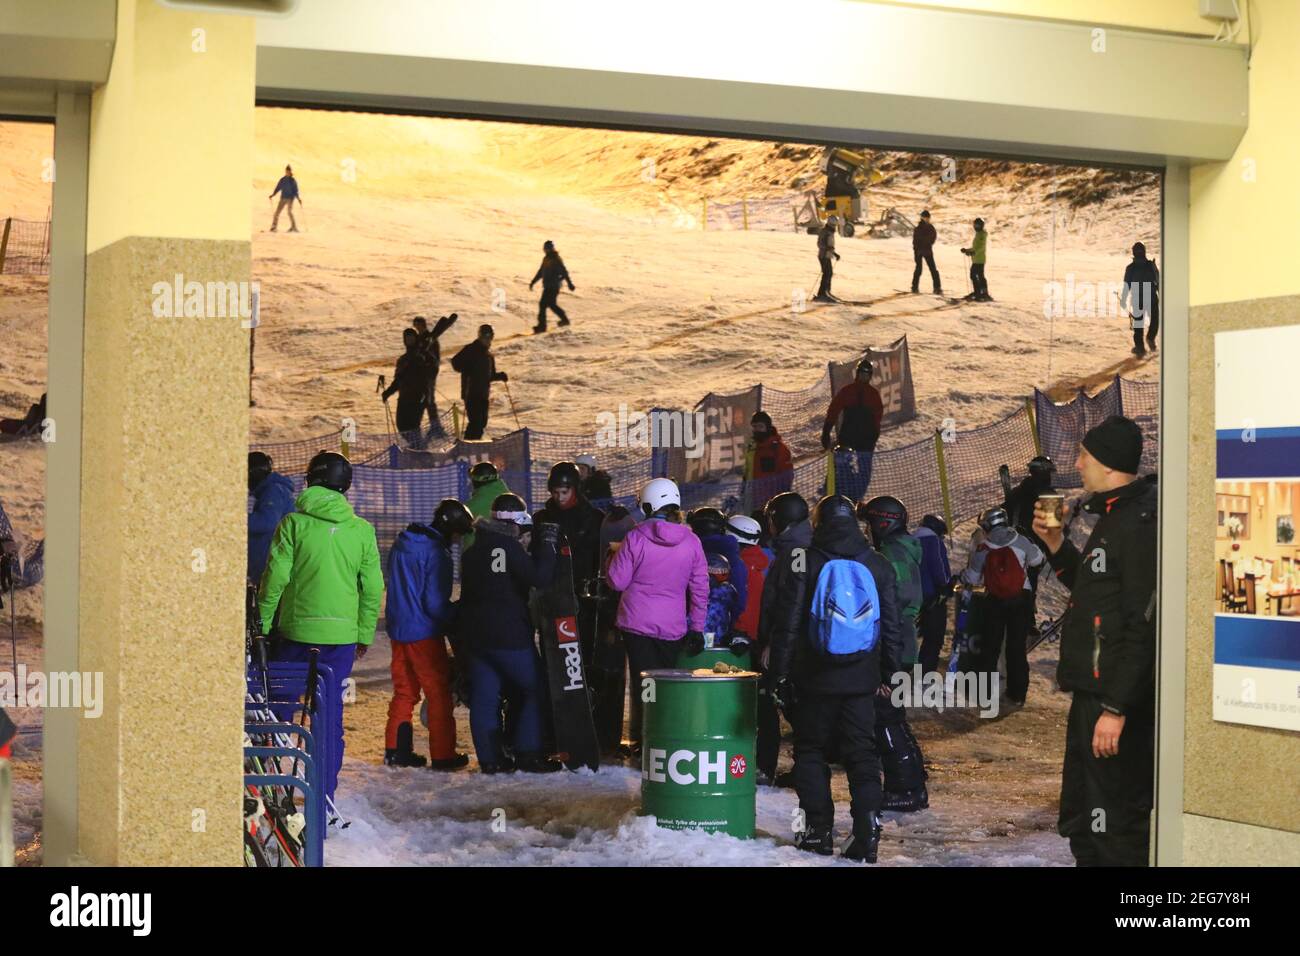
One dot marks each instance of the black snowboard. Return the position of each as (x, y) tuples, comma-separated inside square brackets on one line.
[(575, 733), (607, 667)]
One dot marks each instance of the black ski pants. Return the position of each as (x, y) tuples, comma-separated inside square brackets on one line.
[(1009, 622), (850, 719), (645, 654), (933, 626), (977, 281), (1152, 327), (1106, 802), (828, 272), (901, 760), (550, 300), (926, 258), (476, 411)]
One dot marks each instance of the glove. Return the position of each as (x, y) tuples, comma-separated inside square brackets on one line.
[(740, 644), (694, 642), (826, 438), (531, 284), (781, 693), (571, 288), (501, 377), (837, 257), (549, 534)]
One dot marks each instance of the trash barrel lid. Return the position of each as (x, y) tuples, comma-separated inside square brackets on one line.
[(702, 673)]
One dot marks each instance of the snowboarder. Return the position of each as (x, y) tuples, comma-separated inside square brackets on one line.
[(431, 353), (936, 588), (551, 272), (663, 578), (923, 238), (1002, 564), (322, 576), (273, 496), (978, 252), (711, 526), (768, 466), (1142, 284), (787, 523), (579, 521), (900, 754), (478, 370), (596, 484), (835, 642), (495, 627), (287, 187), (855, 413), (1108, 652), (418, 616), (825, 253), (411, 383)]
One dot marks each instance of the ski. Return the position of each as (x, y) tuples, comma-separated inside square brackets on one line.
[(937, 295)]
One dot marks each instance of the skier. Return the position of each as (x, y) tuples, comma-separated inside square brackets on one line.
[(747, 533), (411, 383), (418, 616), (835, 663), (825, 253), (936, 588), (551, 272), (272, 495), (855, 413), (1142, 282), (663, 578), (786, 516), (595, 483), (711, 526), (487, 486), (287, 187), (1108, 652), (1002, 564), (322, 576), (923, 237), (978, 252), (579, 522), (900, 754), (431, 354), (495, 627), (478, 370), (768, 466)]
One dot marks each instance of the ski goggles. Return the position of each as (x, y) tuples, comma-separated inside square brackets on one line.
[(521, 518)]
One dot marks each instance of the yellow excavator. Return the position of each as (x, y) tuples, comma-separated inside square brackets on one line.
[(848, 172)]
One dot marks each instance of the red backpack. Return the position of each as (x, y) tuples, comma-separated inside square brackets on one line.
[(1004, 576)]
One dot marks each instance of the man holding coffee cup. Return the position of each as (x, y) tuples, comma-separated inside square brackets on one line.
[(1108, 650)]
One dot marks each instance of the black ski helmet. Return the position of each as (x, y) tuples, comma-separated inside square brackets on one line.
[(834, 506), (330, 470), (482, 473), (706, 521), (1042, 467), (864, 366), (452, 517), (510, 507), (761, 417), (564, 474), (785, 509), (885, 515), (935, 524), (994, 518), (259, 466)]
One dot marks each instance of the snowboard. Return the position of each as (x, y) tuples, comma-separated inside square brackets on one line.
[(575, 731)]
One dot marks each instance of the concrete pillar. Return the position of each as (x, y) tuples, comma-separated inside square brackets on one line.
[(164, 436)]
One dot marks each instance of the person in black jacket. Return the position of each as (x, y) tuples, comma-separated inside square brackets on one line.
[(431, 354), (478, 370), (411, 383), (1142, 283), (579, 522), (834, 694), (596, 484), (551, 272), (495, 629), (1108, 653)]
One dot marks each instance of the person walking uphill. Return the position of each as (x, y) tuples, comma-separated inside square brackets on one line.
[(411, 383), (825, 253), (978, 251), (478, 370), (551, 272), (923, 237), (418, 617), (1142, 283), (287, 187), (835, 642), (1108, 652), (855, 413), (323, 577)]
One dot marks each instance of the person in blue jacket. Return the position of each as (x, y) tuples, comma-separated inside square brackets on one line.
[(495, 627), (710, 526), (273, 496), (287, 187), (418, 617), (936, 588)]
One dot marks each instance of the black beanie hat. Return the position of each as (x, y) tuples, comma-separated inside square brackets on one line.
[(1116, 443)]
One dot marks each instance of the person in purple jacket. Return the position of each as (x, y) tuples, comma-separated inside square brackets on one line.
[(659, 570)]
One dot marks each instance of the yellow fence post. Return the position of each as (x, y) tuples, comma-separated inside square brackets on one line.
[(1033, 425), (744, 211), (943, 479), (704, 215), (4, 244), (830, 471)]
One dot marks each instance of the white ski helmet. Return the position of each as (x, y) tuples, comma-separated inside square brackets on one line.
[(744, 529), (660, 493), (586, 458)]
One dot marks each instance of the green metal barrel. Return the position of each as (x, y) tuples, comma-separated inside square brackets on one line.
[(710, 656), (697, 752)]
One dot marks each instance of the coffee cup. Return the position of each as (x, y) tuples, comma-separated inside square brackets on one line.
[(1051, 509)]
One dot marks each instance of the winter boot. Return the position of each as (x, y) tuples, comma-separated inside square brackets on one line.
[(539, 328), (906, 801), (863, 847), (538, 764), (563, 322), (505, 766), (816, 839), (784, 780), (402, 755), (450, 763)]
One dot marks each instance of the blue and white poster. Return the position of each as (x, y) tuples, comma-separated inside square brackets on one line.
[(1257, 503)]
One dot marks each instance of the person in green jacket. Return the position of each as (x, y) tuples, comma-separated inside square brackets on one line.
[(978, 252), (322, 576), (487, 484)]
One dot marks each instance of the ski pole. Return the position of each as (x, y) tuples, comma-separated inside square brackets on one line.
[(512, 405)]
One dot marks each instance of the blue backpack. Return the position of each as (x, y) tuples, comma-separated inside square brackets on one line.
[(845, 609)]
